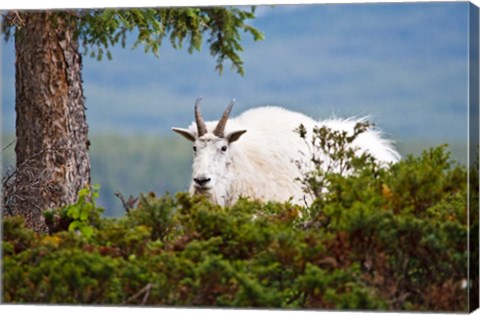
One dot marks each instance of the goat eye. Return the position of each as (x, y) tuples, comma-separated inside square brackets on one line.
[(194, 149), (224, 148)]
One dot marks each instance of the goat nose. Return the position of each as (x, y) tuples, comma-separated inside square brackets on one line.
[(201, 180)]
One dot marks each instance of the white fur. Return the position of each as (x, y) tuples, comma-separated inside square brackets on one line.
[(261, 163)]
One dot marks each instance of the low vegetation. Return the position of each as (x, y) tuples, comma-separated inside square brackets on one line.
[(381, 238)]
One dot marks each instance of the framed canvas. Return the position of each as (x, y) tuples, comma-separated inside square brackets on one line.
[(307, 156)]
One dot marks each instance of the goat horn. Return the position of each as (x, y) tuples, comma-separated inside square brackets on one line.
[(201, 128), (220, 128)]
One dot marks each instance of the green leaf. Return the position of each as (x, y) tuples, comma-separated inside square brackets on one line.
[(75, 225), (86, 231), (85, 211), (74, 211)]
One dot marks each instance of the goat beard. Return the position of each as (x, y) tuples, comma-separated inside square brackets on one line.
[(215, 195)]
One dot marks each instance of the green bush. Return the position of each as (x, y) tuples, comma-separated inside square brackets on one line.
[(382, 238)]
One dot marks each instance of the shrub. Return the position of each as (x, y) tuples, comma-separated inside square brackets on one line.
[(383, 238)]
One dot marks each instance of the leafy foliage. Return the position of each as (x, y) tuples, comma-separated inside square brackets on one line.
[(81, 216), (383, 237), (99, 30)]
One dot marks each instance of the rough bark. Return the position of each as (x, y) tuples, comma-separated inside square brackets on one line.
[(52, 145)]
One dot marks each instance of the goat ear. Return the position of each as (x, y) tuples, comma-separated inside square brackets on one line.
[(235, 135), (188, 134)]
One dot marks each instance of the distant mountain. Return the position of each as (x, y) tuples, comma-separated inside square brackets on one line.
[(404, 64)]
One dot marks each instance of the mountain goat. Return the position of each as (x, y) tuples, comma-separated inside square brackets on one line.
[(254, 155)]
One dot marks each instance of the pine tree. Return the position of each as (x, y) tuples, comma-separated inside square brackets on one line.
[(52, 162)]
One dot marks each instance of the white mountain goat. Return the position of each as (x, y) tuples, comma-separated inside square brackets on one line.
[(254, 154)]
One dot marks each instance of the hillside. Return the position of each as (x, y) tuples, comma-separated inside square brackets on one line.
[(139, 164), (393, 239)]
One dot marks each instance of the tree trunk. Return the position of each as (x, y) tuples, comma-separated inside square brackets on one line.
[(51, 129)]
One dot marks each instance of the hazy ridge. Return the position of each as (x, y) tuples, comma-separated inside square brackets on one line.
[(140, 164)]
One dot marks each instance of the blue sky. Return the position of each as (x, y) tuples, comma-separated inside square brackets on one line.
[(405, 64)]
